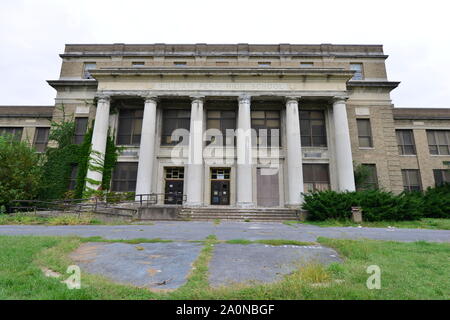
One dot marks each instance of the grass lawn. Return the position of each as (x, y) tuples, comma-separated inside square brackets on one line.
[(426, 223), (416, 270)]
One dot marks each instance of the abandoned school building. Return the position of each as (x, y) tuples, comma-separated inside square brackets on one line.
[(317, 111)]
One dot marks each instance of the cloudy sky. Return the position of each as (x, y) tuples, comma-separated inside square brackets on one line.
[(415, 35)]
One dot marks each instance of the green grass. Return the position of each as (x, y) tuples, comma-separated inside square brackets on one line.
[(272, 242), (417, 270), (426, 223), (31, 219)]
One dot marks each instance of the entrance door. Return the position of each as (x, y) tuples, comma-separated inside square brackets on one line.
[(173, 191), (220, 186), (268, 190)]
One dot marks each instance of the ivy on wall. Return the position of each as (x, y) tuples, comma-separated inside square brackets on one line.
[(61, 159)]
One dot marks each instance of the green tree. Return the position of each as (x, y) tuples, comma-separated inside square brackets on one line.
[(20, 171)]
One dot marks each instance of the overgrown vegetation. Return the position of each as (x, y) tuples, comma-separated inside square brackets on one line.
[(414, 270), (27, 175), (379, 205), (20, 171), (30, 219)]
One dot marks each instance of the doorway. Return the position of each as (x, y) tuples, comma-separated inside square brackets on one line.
[(173, 191), (220, 186)]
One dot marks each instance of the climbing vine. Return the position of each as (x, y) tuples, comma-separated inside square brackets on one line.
[(61, 159)]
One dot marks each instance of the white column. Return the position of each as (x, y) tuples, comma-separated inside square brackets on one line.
[(147, 149), (293, 153), (99, 136), (343, 146), (244, 183), (194, 176)]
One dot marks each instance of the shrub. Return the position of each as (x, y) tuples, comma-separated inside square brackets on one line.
[(436, 202), (376, 205)]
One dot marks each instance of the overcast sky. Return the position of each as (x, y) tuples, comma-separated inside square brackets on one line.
[(415, 35)]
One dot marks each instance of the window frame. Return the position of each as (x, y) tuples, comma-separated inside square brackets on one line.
[(42, 143), (177, 125), (407, 186), (311, 135), (130, 180), (86, 73), (72, 183), (17, 132), (222, 119), (401, 142), (370, 136), (256, 128), (438, 146), (358, 72), (444, 176), (134, 138), (325, 184), (78, 137), (370, 185)]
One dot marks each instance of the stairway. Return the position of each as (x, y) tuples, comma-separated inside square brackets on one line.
[(239, 214)]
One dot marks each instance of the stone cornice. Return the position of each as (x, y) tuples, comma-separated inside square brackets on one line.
[(374, 84), (79, 83)]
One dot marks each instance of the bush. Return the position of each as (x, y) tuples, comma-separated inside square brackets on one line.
[(436, 202), (20, 171), (376, 205)]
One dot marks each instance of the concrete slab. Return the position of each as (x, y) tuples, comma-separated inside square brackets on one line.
[(235, 263), (149, 265)]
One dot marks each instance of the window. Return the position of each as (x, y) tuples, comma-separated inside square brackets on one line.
[(124, 177), (41, 139), (267, 126), (73, 177), (306, 64), (405, 140), (130, 126), (175, 119), (264, 63), (223, 121), (222, 63), (411, 180), (180, 63), (441, 176), (439, 142), (316, 177), (364, 133), (80, 130), (312, 128), (220, 174), (358, 68), (14, 132), (175, 173), (371, 181), (88, 66), (138, 64)]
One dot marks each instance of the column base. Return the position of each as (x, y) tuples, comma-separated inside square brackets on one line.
[(245, 205)]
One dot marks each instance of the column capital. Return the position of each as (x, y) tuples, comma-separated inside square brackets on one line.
[(290, 99), (338, 99), (197, 98), (244, 98), (149, 96), (103, 97)]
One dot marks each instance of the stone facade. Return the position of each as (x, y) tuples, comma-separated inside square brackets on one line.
[(346, 83)]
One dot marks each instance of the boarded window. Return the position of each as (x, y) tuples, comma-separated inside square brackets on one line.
[(138, 64), (130, 126), (439, 142), (88, 66), (364, 133), (80, 130), (124, 177), (371, 181), (175, 119), (267, 126), (441, 176), (41, 139), (411, 180), (358, 68), (312, 128), (316, 177), (264, 63), (14, 132), (405, 140)]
